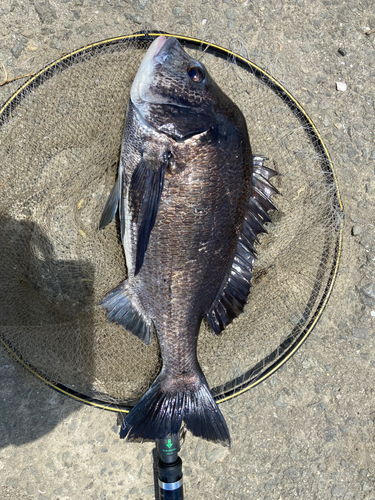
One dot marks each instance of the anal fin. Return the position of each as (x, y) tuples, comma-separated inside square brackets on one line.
[(123, 311)]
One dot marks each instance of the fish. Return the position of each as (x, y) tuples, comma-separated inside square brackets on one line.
[(191, 200)]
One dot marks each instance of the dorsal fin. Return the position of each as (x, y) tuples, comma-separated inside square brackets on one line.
[(232, 296)]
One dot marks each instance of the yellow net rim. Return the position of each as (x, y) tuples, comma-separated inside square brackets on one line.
[(251, 378)]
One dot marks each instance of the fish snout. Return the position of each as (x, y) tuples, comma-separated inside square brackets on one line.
[(155, 47)]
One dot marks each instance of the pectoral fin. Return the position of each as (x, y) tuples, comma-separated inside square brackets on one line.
[(145, 190)]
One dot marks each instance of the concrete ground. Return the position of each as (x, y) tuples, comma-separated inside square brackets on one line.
[(307, 432)]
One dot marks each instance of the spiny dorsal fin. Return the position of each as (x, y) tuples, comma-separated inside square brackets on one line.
[(232, 297), (259, 168)]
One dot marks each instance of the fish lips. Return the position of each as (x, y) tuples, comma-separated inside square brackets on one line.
[(144, 90)]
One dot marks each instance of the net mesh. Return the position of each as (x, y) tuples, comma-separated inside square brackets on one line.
[(60, 144)]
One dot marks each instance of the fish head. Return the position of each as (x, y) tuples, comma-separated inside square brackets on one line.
[(173, 92)]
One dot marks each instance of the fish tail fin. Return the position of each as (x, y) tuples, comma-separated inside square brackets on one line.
[(203, 417), (162, 409)]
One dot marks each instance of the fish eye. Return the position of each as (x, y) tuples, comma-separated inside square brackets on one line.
[(195, 73)]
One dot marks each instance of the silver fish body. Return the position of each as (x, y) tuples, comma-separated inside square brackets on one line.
[(191, 202)]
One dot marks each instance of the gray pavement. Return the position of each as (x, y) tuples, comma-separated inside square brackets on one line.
[(307, 432)]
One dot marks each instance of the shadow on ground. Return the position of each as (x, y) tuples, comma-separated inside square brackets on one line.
[(45, 321)]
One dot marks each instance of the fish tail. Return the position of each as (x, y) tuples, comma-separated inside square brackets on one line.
[(163, 408)]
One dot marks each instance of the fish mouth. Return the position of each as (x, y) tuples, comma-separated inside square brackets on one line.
[(140, 89), (141, 92), (159, 42), (162, 48), (155, 47)]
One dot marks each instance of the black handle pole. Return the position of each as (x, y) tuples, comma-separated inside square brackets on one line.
[(169, 468)]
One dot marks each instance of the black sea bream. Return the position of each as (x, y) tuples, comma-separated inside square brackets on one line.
[(191, 200)]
